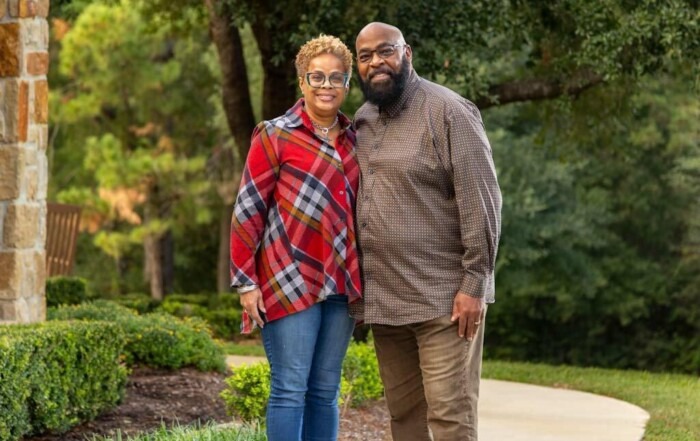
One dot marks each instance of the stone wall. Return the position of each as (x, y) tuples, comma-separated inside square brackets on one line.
[(24, 36)]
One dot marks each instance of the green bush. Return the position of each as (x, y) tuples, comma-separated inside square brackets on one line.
[(249, 386), (56, 375), (156, 339), (208, 432), (221, 311), (140, 302), (248, 392), (361, 371), (62, 290)]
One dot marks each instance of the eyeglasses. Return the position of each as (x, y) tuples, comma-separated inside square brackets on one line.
[(318, 79), (384, 52)]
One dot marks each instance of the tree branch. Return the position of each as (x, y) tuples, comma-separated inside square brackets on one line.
[(538, 89)]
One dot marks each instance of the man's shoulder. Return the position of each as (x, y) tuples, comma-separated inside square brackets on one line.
[(446, 98)]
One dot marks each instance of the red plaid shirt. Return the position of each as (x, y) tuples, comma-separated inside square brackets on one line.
[(292, 232)]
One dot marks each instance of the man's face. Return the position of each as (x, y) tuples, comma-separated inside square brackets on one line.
[(383, 62)]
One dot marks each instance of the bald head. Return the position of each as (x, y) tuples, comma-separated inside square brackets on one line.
[(379, 30)]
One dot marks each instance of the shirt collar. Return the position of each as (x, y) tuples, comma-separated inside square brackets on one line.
[(296, 116), (395, 108)]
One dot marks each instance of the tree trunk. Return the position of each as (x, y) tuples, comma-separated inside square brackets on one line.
[(279, 81), (223, 272), (154, 266), (167, 246), (234, 77)]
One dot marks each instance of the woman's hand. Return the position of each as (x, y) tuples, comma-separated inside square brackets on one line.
[(252, 302)]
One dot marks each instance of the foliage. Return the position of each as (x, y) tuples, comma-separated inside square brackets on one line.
[(596, 265), (62, 290), (137, 105), (221, 311), (158, 340), (208, 432), (361, 374), (56, 375), (249, 386), (248, 391), (139, 302), (673, 401)]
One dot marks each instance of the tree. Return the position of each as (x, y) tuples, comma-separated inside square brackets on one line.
[(142, 98)]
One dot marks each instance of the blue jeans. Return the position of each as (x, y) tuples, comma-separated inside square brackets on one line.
[(306, 352)]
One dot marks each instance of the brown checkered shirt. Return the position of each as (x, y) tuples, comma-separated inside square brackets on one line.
[(429, 205)]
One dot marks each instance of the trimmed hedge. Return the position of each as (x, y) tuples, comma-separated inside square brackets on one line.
[(63, 290), (222, 311), (56, 375), (158, 340)]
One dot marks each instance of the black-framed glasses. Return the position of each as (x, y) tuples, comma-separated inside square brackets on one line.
[(318, 79), (384, 52)]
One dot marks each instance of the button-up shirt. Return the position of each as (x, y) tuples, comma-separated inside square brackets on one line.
[(292, 232), (429, 206)]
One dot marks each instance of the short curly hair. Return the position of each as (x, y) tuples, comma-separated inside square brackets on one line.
[(323, 44)]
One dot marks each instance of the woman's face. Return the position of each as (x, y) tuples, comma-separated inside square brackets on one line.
[(325, 99)]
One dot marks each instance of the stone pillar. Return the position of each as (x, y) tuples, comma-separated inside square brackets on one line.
[(24, 37)]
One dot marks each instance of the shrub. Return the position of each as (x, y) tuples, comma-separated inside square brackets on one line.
[(208, 432), (56, 375), (62, 290), (361, 371), (248, 391), (156, 339), (221, 311), (249, 386), (140, 302)]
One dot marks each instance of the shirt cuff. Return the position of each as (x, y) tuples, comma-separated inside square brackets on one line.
[(473, 286), (245, 288)]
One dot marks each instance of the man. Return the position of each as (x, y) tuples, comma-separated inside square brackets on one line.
[(428, 214)]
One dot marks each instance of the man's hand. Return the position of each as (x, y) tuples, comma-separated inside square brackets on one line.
[(470, 313), (252, 302)]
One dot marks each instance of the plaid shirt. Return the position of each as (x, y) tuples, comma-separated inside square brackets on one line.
[(292, 232)]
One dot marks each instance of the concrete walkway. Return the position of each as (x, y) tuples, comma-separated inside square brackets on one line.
[(523, 412)]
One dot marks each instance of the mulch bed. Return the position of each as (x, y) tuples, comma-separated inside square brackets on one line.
[(155, 397)]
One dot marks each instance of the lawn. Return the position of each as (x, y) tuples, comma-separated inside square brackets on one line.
[(673, 401)]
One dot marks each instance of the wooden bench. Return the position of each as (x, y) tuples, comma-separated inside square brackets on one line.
[(62, 226)]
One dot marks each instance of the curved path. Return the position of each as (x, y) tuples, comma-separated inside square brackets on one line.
[(523, 412)]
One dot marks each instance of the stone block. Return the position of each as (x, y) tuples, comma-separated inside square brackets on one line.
[(3, 8), (41, 102), (21, 226), (9, 97), (9, 50), (43, 182), (11, 172), (33, 38), (24, 8), (37, 63), (40, 273), (23, 111), (11, 275), (32, 182)]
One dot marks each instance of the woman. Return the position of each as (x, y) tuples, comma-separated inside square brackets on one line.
[(293, 253)]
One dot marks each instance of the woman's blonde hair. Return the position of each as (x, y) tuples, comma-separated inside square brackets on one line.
[(323, 44)]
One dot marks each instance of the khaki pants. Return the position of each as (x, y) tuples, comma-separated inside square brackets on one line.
[(431, 380)]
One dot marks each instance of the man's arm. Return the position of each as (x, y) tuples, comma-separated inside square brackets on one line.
[(478, 200)]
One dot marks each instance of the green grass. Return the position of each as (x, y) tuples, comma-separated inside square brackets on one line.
[(673, 401), (196, 433), (253, 348)]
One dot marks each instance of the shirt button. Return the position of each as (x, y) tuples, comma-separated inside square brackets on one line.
[(375, 146), (371, 171), (341, 192), (363, 224)]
